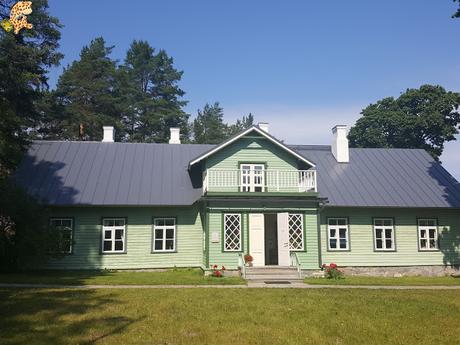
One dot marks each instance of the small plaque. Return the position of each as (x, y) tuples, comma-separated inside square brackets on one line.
[(214, 237)]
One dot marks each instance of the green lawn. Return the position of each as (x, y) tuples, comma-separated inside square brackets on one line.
[(171, 277), (349, 280), (228, 316)]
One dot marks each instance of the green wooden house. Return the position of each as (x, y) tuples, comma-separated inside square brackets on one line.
[(146, 206)]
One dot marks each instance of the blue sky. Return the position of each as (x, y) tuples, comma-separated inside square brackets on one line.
[(302, 66)]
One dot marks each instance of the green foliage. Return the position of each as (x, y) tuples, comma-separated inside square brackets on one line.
[(457, 14), (24, 62), (422, 118), (148, 89), (241, 125), (25, 237)]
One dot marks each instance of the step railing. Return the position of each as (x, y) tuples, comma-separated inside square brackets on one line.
[(296, 263)]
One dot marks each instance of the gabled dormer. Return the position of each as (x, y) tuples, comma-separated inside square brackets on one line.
[(254, 161)]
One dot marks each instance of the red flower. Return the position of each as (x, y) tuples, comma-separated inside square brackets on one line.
[(332, 265)]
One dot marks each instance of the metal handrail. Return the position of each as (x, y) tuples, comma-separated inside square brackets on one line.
[(242, 264), (296, 262)]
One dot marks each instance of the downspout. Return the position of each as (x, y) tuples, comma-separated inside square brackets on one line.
[(322, 204)]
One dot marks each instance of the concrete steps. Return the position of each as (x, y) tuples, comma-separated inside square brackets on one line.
[(272, 274)]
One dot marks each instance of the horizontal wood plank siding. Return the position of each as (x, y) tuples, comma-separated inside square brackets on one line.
[(309, 257), (405, 224), (87, 238)]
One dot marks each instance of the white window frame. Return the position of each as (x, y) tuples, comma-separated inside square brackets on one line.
[(60, 227), (251, 175), (337, 234), (427, 229), (302, 231), (164, 228), (384, 238), (113, 229), (240, 237)]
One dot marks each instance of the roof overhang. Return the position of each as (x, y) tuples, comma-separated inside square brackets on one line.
[(243, 133)]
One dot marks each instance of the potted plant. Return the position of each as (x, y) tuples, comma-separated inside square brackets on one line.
[(248, 260)]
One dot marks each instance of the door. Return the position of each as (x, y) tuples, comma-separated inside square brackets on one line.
[(284, 258), (252, 177), (257, 238)]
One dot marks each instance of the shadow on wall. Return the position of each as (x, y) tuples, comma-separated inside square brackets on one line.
[(450, 244), (56, 316)]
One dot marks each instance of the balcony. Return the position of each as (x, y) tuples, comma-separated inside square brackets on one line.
[(259, 180)]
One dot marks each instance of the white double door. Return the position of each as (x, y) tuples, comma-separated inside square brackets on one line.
[(257, 239)]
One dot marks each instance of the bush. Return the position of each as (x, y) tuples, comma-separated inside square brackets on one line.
[(216, 272), (332, 271)]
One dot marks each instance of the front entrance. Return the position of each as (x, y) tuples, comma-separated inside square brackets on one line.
[(269, 239)]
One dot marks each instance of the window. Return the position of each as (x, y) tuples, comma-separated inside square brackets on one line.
[(252, 177), (295, 222), (338, 233), (384, 237), (428, 234), (113, 235), (232, 232), (65, 228), (164, 235)]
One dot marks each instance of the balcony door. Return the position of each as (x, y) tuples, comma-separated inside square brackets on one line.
[(252, 177)]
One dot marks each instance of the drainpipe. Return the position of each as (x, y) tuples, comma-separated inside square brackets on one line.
[(322, 205)]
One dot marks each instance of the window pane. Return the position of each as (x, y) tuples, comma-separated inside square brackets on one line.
[(422, 233), (158, 233), (118, 234), (378, 233), (107, 234), (389, 244), (422, 222), (342, 221), (432, 233), (108, 222), (119, 222), (169, 244), (343, 244), (333, 244), (423, 244), (388, 233), (332, 221), (388, 222), (107, 245), (119, 245), (158, 245), (169, 233), (66, 246), (432, 244), (343, 233), (378, 222), (160, 222), (67, 223), (169, 221), (378, 244), (332, 232)]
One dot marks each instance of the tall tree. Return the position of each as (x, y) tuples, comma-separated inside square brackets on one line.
[(149, 84), (457, 14), (24, 62), (240, 125), (420, 118), (209, 126), (86, 93)]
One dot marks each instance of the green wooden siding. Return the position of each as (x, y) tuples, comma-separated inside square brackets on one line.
[(87, 238), (252, 150), (362, 252), (309, 256)]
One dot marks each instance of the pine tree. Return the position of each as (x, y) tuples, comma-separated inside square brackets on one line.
[(209, 127)]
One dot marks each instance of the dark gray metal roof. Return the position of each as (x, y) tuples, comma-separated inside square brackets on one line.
[(95, 173), (383, 178)]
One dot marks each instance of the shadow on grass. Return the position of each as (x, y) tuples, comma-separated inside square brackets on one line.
[(55, 316)]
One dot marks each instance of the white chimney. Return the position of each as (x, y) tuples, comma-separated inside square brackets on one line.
[(175, 136), (340, 144), (109, 134), (263, 126)]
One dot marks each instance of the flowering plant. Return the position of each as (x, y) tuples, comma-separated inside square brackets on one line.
[(248, 258), (216, 272), (332, 271)]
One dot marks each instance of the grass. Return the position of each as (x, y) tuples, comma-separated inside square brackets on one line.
[(228, 316), (355, 280), (170, 277)]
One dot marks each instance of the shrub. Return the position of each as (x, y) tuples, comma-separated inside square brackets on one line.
[(248, 258), (216, 272), (332, 271)]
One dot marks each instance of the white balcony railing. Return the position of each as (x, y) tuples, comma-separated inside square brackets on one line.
[(240, 180)]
